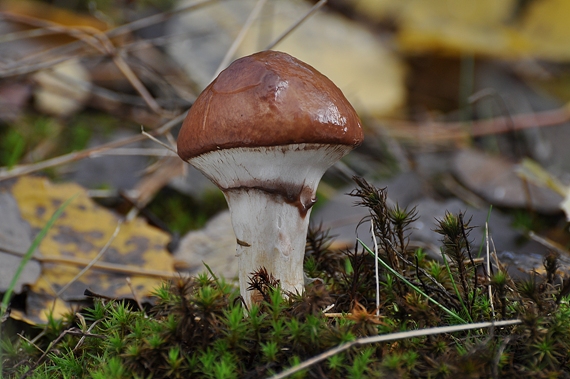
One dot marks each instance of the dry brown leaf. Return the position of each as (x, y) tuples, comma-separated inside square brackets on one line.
[(496, 180)]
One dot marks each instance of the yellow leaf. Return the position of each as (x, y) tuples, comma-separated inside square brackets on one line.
[(458, 26), (546, 25), (373, 82), (80, 233), (48, 12), (506, 29)]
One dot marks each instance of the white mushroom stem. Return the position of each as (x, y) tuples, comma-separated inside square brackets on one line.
[(270, 192)]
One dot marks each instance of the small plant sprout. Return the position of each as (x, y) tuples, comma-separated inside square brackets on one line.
[(265, 131)]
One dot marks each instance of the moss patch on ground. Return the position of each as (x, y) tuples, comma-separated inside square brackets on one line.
[(198, 327)]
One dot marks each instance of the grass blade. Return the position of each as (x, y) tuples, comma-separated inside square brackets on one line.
[(25, 259), (415, 288)]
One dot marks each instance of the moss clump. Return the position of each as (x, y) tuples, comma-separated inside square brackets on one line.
[(198, 326)]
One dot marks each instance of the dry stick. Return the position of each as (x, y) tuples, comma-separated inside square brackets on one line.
[(30, 342), (136, 83), (157, 18), (110, 267), (85, 34), (27, 69), (170, 138), (20, 67), (392, 337), (501, 266), (241, 35), (154, 139), (135, 201), (142, 151), (372, 231), (73, 331), (429, 132), (314, 8), (468, 248), (93, 261), (87, 153), (489, 267), (98, 90), (563, 254), (135, 295), (100, 41), (549, 244), (25, 34), (82, 339)]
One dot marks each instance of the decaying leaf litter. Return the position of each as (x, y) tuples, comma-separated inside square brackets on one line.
[(142, 108)]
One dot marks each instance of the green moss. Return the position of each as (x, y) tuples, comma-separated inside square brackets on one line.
[(199, 328)]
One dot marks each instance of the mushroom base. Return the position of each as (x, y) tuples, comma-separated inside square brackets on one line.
[(270, 192)]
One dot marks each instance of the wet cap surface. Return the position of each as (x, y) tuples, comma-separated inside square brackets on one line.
[(268, 99)]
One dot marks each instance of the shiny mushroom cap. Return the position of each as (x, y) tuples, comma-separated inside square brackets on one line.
[(268, 99)]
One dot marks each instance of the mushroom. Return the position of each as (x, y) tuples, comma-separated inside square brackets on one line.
[(265, 131)]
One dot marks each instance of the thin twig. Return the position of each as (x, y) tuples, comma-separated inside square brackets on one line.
[(31, 342), (436, 131), (87, 153), (93, 261), (548, 243), (86, 34), (142, 151), (88, 331), (470, 256), (71, 50), (25, 34), (392, 337), (104, 266), (135, 295), (101, 43), (154, 139), (309, 13), (489, 267), (376, 270), (241, 35), (157, 18), (73, 331), (136, 83)]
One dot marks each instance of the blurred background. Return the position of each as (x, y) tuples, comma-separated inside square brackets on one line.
[(464, 106)]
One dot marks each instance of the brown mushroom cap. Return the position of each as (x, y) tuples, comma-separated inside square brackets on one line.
[(268, 99)]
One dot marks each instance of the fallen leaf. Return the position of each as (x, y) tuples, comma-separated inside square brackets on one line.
[(460, 26), (79, 234), (15, 236), (505, 29), (370, 75), (534, 172), (496, 180), (546, 27)]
